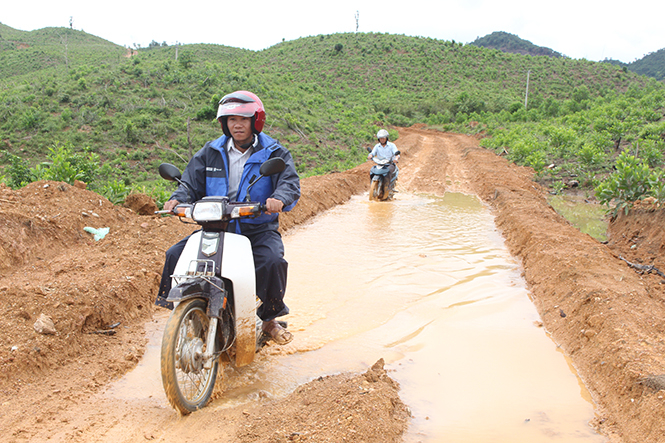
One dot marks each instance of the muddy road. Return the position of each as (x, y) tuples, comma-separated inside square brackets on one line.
[(603, 314)]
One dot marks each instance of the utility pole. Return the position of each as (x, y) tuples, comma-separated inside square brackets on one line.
[(357, 19), (65, 41), (526, 96)]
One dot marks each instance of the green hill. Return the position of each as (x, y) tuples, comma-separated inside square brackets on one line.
[(24, 52), (326, 96), (506, 42), (651, 65)]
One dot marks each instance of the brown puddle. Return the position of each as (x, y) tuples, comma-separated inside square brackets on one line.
[(427, 284)]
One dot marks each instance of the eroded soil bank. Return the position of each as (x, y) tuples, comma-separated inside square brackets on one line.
[(601, 311)]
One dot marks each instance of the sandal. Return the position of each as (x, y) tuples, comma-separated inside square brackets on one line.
[(277, 332)]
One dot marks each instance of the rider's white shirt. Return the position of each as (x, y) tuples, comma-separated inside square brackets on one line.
[(386, 152), (237, 160)]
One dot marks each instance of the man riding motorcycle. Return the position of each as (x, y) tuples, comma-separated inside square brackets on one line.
[(385, 150), (226, 167)]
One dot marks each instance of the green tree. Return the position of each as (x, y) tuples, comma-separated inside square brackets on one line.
[(186, 59)]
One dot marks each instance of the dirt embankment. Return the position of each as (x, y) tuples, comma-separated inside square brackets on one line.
[(99, 294)]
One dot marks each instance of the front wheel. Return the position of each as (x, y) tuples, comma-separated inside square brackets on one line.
[(374, 190), (187, 382), (383, 189)]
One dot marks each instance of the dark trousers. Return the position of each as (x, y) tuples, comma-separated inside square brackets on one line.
[(271, 270)]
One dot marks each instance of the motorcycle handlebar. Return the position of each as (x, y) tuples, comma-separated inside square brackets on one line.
[(260, 208)]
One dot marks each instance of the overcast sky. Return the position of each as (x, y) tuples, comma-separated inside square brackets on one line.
[(587, 29)]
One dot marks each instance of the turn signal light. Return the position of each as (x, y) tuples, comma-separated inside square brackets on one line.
[(243, 211)]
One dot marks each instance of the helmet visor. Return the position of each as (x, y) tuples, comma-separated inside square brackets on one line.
[(237, 104), (241, 109)]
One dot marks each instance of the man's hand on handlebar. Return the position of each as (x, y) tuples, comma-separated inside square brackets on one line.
[(169, 205), (273, 206)]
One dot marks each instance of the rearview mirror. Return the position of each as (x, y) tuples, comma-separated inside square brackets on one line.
[(169, 172), (272, 166)]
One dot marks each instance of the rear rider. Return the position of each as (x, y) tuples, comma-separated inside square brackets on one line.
[(385, 150)]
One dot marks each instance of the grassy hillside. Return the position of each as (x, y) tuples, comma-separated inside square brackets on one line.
[(326, 96), (24, 52)]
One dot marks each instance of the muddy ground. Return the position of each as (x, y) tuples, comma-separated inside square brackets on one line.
[(606, 315)]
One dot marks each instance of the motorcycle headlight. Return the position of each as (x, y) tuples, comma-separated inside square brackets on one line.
[(207, 211)]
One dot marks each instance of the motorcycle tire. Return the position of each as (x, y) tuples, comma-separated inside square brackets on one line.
[(187, 383), (383, 189), (374, 190)]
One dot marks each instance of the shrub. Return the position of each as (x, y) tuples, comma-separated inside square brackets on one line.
[(18, 171), (115, 191), (632, 181), (590, 155), (64, 165), (651, 151)]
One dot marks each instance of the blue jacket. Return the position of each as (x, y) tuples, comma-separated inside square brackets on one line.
[(207, 174)]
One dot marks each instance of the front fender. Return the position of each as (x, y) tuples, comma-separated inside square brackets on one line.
[(379, 170), (238, 267), (210, 289)]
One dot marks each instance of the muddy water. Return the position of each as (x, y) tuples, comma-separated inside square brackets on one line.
[(426, 284)]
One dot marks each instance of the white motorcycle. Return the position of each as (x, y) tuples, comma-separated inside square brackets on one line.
[(214, 297)]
